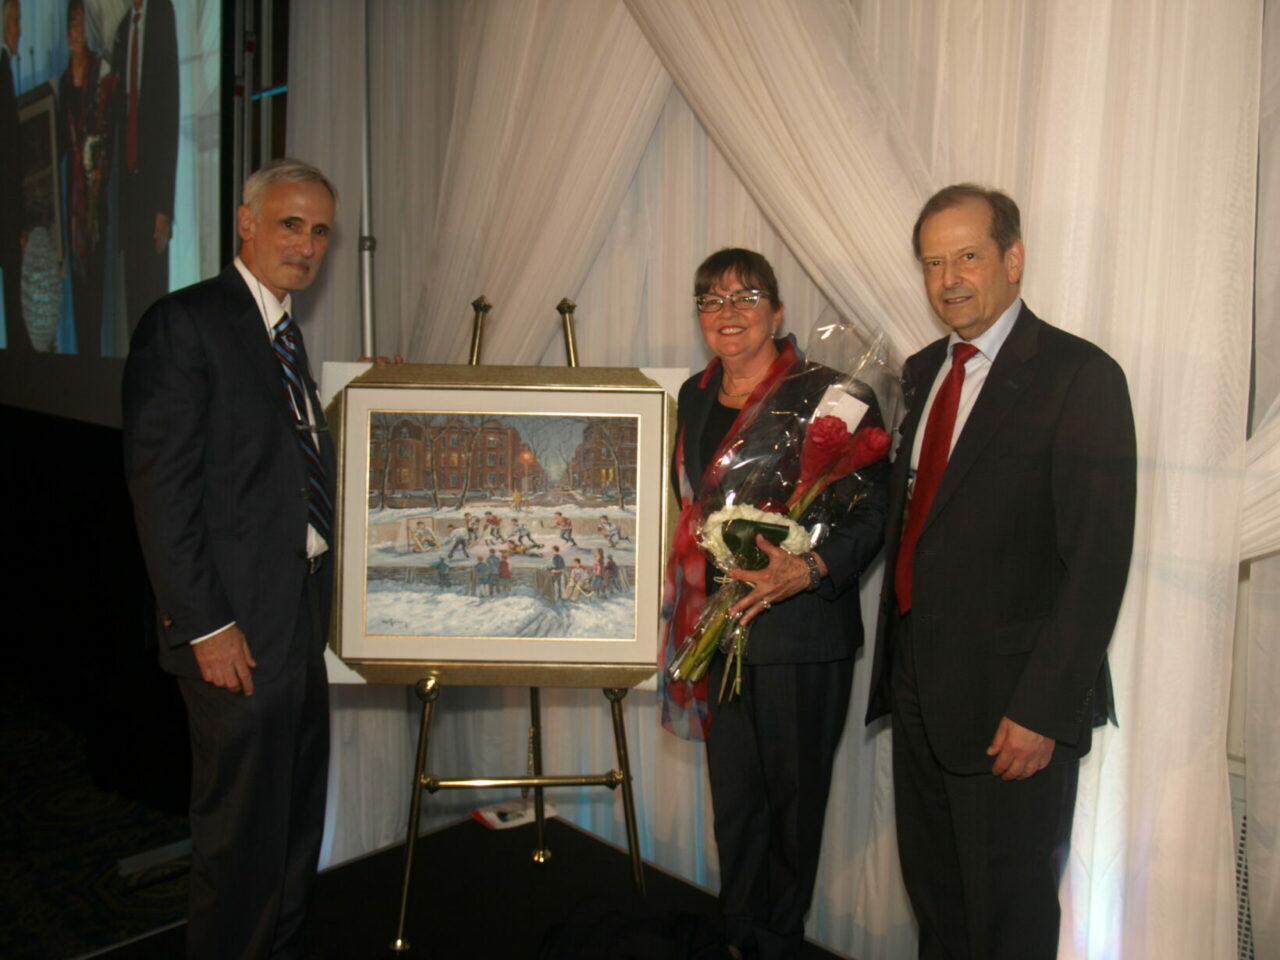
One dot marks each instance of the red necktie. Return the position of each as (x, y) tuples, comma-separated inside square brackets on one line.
[(934, 451), (131, 133)]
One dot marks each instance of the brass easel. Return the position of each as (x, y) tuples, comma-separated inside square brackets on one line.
[(428, 691)]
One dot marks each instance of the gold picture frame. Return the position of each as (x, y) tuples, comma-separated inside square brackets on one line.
[(458, 489)]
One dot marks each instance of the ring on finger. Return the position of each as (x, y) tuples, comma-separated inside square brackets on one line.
[(765, 604)]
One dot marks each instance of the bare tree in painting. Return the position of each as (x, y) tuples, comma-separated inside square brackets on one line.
[(429, 437), (552, 440), (609, 432), (388, 422), (470, 428), (378, 434)]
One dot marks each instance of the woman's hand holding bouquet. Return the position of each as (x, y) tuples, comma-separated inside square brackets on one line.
[(755, 535)]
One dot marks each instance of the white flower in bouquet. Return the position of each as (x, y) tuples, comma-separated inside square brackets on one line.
[(797, 539)]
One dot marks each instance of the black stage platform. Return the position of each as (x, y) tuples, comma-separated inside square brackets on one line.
[(477, 894)]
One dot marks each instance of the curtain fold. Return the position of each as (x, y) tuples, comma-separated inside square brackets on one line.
[(798, 119), (1148, 193), (813, 129), (554, 107), (323, 126), (636, 304), (1260, 513), (1260, 538)]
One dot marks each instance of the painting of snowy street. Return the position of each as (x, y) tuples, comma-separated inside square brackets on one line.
[(501, 525)]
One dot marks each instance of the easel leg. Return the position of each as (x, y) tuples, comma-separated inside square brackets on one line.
[(540, 854), (615, 696), (428, 690)]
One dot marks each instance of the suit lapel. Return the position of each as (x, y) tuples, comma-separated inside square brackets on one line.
[(923, 372), (247, 326), (1007, 380), (920, 373), (694, 424)]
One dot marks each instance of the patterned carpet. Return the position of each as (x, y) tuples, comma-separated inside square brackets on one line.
[(62, 838)]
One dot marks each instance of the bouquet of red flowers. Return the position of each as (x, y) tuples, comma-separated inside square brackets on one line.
[(794, 471)]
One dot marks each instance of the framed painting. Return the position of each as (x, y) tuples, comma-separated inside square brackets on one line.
[(501, 524)]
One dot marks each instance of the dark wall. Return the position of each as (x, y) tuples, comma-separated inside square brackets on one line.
[(82, 636)]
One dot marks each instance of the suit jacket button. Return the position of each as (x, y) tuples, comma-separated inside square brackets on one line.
[(168, 622), (304, 493)]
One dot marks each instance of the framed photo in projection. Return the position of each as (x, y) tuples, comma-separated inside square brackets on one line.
[(500, 517)]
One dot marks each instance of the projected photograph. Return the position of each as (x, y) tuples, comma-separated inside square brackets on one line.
[(41, 273), (118, 167), (502, 524)]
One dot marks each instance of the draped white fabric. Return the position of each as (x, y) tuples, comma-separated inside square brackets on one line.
[(1260, 519), (554, 106), (516, 157), (1260, 541), (836, 175)]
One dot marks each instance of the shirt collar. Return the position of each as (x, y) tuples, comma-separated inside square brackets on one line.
[(269, 308), (992, 339)]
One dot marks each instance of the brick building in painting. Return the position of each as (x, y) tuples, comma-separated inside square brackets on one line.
[(604, 464), (416, 461)]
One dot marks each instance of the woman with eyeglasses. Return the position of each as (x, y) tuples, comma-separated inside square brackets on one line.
[(770, 748)]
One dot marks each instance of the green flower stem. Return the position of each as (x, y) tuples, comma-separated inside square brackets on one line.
[(695, 662), (738, 651), (801, 506)]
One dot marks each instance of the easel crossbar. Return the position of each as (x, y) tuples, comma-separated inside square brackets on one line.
[(611, 780)]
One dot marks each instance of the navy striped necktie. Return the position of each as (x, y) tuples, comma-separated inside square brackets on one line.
[(288, 348)]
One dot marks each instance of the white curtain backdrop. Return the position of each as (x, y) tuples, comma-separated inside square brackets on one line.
[(600, 150), (1260, 541)]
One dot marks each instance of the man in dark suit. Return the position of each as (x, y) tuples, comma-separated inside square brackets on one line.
[(11, 171), (145, 58), (231, 471), (1006, 564)]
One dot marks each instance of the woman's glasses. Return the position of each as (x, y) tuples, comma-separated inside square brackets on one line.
[(744, 301)]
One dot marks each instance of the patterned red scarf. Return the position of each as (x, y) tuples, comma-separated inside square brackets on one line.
[(684, 705)]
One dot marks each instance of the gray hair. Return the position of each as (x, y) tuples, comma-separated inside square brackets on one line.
[(283, 170)]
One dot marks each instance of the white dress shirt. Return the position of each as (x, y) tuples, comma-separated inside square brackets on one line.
[(976, 369)]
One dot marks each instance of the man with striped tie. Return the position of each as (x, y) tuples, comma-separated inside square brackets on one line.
[(231, 470)]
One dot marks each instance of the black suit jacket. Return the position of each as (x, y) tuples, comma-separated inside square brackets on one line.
[(1022, 561), (157, 107), (218, 481), (826, 624)]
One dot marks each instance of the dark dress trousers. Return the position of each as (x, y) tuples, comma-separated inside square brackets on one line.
[(219, 486), (148, 188), (1018, 577), (770, 752)]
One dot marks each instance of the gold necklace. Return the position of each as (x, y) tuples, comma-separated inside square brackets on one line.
[(734, 396)]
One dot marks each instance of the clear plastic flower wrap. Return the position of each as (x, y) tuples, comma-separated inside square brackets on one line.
[(796, 465)]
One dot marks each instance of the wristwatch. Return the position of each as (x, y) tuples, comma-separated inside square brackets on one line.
[(815, 575)]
